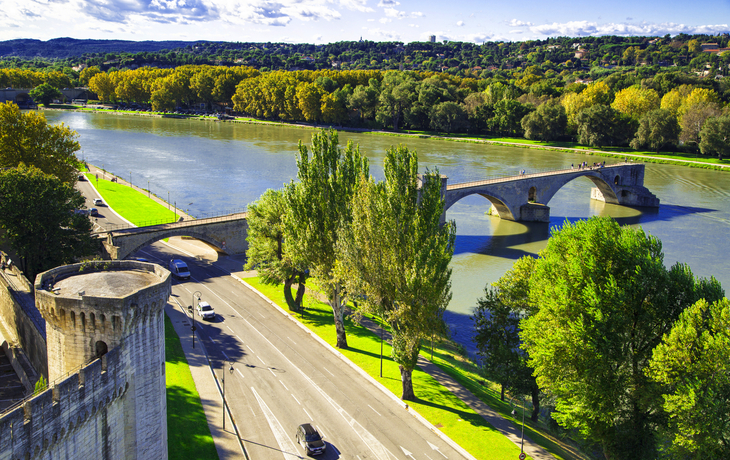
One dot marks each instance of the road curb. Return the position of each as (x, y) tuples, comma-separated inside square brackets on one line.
[(364, 374)]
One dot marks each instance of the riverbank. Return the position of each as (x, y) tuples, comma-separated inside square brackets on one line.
[(673, 158)]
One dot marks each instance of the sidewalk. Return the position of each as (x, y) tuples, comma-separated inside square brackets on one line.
[(234, 266), (227, 442)]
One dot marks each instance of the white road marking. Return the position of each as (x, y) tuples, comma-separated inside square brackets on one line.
[(262, 361), (291, 340), (285, 444), (239, 339), (224, 354), (433, 447), (308, 416), (378, 449), (328, 371), (229, 328), (239, 373), (272, 372), (295, 399), (374, 410), (287, 389), (405, 452)]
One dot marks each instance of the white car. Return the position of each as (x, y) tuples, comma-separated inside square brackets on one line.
[(206, 311), (98, 202)]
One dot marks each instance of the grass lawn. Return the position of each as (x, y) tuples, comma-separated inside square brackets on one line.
[(188, 436), (135, 206), (438, 405)]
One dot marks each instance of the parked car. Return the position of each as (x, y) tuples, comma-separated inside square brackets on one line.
[(94, 212), (206, 311), (98, 202), (308, 437), (82, 178), (179, 269)]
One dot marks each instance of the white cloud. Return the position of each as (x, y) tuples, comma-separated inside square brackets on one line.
[(586, 28), (417, 14), (460, 23), (516, 31), (384, 3), (518, 23), (357, 5), (384, 20), (393, 13)]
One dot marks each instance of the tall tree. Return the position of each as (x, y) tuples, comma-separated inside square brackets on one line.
[(497, 332), (547, 123), (693, 363), (26, 138), (37, 214), (396, 255), (656, 129), (604, 300), (319, 205), (266, 247), (715, 137)]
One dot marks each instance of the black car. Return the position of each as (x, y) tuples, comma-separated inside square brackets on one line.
[(309, 438)]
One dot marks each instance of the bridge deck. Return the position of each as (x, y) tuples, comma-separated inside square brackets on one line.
[(552, 172), (129, 228)]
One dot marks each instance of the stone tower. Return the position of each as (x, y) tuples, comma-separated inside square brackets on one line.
[(95, 307)]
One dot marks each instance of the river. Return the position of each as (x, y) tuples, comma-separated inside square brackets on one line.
[(210, 167)]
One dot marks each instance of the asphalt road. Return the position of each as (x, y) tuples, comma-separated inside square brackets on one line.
[(283, 377)]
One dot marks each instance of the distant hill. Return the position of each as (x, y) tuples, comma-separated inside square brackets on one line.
[(63, 48)]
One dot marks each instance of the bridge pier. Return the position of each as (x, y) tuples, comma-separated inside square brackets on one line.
[(534, 212), (635, 195)]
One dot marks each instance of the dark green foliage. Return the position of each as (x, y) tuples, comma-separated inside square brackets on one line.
[(602, 301), (547, 123), (657, 129), (601, 125), (37, 212), (45, 93), (715, 137)]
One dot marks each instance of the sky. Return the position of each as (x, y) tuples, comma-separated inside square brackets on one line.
[(328, 21)]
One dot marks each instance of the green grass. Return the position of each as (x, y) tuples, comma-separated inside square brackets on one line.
[(439, 406), (135, 206), (188, 435)]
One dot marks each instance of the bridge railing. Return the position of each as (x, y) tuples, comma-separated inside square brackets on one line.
[(531, 173), (207, 217)]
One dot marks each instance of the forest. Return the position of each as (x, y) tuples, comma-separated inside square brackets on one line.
[(645, 92)]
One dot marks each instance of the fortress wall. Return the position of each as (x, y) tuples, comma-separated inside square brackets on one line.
[(80, 417), (22, 328)]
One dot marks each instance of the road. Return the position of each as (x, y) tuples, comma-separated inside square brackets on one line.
[(106, 215), (284, 377)]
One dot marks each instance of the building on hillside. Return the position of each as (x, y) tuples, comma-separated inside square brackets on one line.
[(709, 47), (432, 38)]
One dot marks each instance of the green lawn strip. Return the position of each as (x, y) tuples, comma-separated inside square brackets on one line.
[(188, 435), (132, 204), (438, 405)]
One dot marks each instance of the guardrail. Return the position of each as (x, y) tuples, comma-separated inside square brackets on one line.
[(538, 173), (229, 215)]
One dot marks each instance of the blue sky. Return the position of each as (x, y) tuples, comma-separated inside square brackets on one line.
[(326, 21)]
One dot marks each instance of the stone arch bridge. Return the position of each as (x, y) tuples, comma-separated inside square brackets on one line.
[(518, 198), (226, 233), (525, 197)]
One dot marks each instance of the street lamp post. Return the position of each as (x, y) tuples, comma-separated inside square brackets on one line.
[(223, 382), (522, 441), (130, 178), (192, 312), (148, 189), (381, 347)]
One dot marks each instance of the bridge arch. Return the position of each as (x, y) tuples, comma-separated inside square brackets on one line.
[(504, 210), (185, 231), (594, 176)]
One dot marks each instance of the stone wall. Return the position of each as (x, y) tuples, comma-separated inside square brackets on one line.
[(80, 417), (21, 318)]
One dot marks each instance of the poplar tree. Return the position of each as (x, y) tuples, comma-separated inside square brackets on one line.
[(396, 254), (319, 204)]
